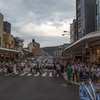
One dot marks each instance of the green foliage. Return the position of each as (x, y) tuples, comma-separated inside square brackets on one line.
[(29, 54), (50, 50)]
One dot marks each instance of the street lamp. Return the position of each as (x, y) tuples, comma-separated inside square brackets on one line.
[(65, 32)]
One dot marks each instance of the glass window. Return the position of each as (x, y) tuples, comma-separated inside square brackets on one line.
[(99, 10), (97, 27), (97, 22), (79, 6), (97, 17), (97, 1)]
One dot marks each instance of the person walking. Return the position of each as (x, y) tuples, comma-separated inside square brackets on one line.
[(42, 67), (54, 69), (69, 71), (75, 72), (87, 90), (14, 69), (31, 68), (38, 68), (26, 68), (19, 67), (5, 68), (58, 69)]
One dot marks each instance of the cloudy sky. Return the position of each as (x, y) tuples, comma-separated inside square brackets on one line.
[(43, 20)]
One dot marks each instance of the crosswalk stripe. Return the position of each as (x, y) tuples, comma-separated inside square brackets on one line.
[(36, 74), (44, 74), (50, 75), (58, 76), (22, 74), (29, 74), (8, 74)]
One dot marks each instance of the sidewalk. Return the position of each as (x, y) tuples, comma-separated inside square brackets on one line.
[(79, 83)]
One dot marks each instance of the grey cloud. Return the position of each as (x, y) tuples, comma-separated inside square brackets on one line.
[(43, 9), (21, 12), (47, 41)]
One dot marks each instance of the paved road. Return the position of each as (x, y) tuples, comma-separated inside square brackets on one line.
[(36, 87)]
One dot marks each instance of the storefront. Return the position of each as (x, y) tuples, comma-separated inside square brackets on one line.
[(8, 54), (87, 48)]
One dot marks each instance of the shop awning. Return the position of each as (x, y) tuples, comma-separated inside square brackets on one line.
[(10, 51), (92, 39)]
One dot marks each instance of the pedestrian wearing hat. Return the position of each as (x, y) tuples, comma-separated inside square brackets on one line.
[(87, 90)]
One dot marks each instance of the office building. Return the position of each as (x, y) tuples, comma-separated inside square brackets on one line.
[(1, 29), (73, 31), (7, 27), (85, 17), (97, 14)]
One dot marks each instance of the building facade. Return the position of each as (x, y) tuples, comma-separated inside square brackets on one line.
[(34, 47), (60, 52), (97, 14), (6, 27), (1, 30), (18, 43), (8, 41), (73, 31), (85, 17), (30, 46)]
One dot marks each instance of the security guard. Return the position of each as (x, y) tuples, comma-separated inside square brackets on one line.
[(87, 90)]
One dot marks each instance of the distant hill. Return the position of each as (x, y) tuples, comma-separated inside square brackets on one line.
[(50, 50)]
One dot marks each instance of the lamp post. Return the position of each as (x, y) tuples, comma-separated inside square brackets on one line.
[(65, 32)]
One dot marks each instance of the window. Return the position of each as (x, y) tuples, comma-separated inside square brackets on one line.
[(0, 40), (79, 6), (97, 1), (97, 17), (97, 10)]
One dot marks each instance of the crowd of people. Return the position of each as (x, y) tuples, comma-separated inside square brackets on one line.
[(74, 70), (19, 67)]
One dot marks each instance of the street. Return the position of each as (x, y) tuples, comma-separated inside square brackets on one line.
[(37, 87)]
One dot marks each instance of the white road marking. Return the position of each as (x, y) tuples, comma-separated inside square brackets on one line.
[(58, 75), (44, 74), (36, 74), (22, 74), (50, 75), (8, 74), (29, 74)]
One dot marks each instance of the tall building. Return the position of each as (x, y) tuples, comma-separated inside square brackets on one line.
[(7, 27), (73, 31), (1, 30), (97, 14), (85, 15)]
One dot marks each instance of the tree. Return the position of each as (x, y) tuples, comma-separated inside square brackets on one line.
[(29, 54)]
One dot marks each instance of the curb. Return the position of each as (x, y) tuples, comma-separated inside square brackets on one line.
[(98, 88)]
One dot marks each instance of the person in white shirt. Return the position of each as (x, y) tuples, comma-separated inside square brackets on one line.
[(26, 68), (14, 69), (58, 69)]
